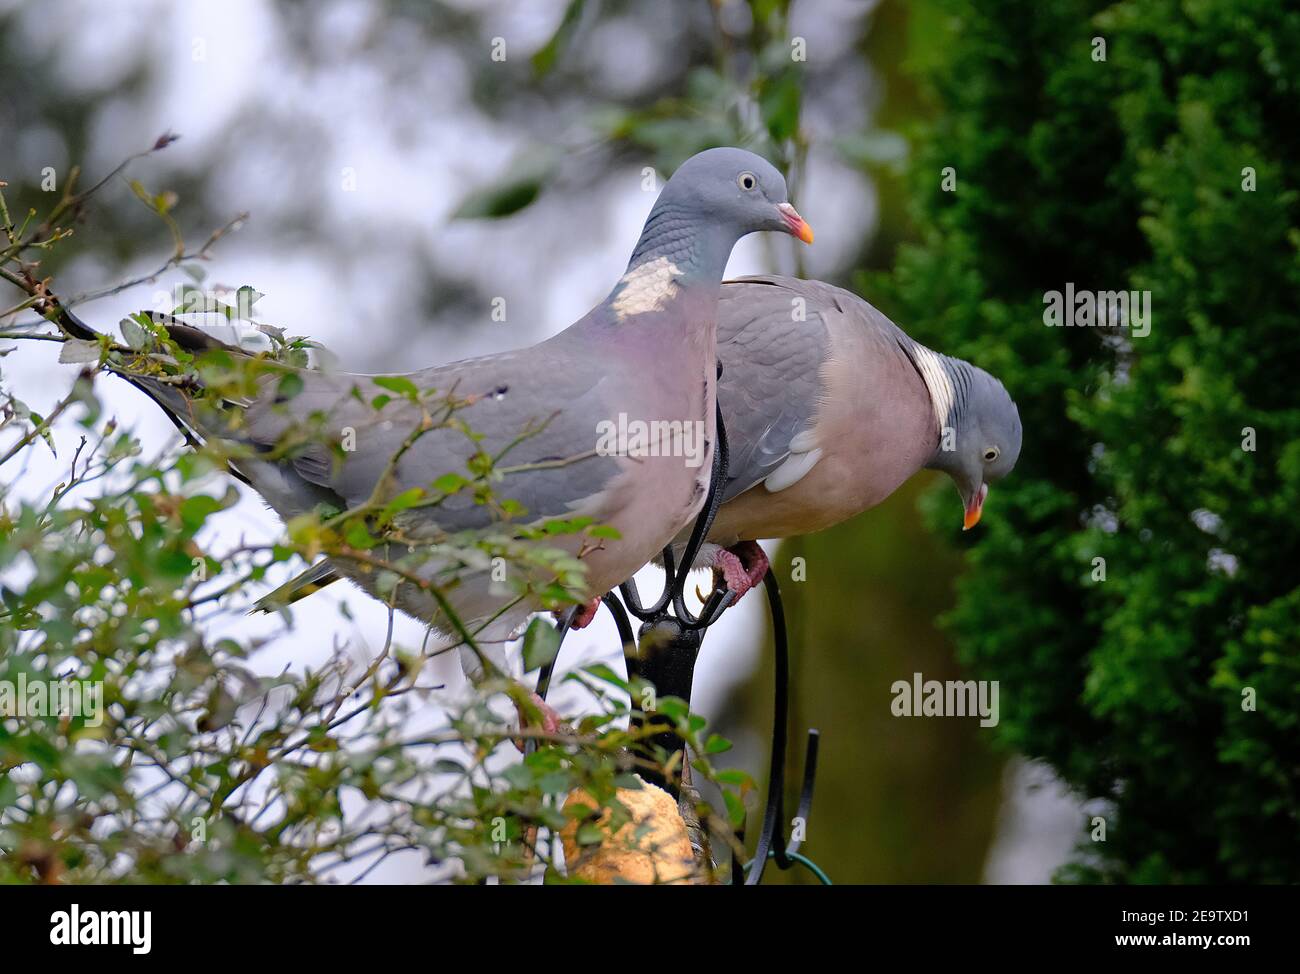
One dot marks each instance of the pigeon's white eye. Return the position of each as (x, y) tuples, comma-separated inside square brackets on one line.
[(991, 454), (746, 181)]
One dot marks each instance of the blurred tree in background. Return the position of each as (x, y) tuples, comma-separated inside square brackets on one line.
[(1168, 685)]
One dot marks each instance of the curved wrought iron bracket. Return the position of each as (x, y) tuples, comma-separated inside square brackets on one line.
[(664, 653)]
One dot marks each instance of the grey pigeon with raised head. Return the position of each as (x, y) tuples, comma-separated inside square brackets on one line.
[(646, 353), (829, 407)]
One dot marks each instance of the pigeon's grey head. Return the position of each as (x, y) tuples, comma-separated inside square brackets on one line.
[(986, 444), (737, 190)]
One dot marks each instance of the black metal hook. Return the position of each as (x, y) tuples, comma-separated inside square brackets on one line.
[(771, 837)]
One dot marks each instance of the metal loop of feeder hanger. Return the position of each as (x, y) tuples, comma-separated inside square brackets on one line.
[(664, 653)]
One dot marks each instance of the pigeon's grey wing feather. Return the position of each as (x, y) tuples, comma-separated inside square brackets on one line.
[(772, 342), (526, 415)]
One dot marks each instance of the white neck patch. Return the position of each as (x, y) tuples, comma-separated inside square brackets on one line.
[(647, 287), (936, 382)]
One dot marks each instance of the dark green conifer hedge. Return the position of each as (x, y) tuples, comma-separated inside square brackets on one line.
[(1166, 676)]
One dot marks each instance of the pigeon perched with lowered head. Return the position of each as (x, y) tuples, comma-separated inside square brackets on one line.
[(829, 407), (647, 352)]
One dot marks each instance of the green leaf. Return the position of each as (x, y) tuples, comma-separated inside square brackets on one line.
[(75, 351), (398, 384), (734, 776), (359, 536), (716, 744), (541, 644), (517, 189), (195, 510), (499, 201), (407, 498), (449, 483), (673, 707), (555, 783), (545, 58), (519, 776), (735, 808), (779, 104), (134, 335), (289, 386), (605, 674)]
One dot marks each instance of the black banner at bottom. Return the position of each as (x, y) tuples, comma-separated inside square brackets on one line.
[(137, 924)]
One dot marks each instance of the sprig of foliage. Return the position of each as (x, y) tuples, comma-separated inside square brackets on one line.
[(196, 766)]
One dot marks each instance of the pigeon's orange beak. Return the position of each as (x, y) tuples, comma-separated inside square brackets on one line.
[(796, 224), (975, 507)]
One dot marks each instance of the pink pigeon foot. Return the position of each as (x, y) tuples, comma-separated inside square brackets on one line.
[(582, 618), (742, 566), (551, 720)]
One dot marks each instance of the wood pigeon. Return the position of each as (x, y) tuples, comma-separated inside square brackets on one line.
[(647, 352), (829, 407)]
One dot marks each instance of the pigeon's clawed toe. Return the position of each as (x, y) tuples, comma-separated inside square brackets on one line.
[(551, 723), (584, 616), (741, 567)]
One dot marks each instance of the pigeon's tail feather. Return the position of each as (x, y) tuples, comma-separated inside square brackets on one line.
[(74, 326), (169, 400), (300, 586), (172, 400)]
